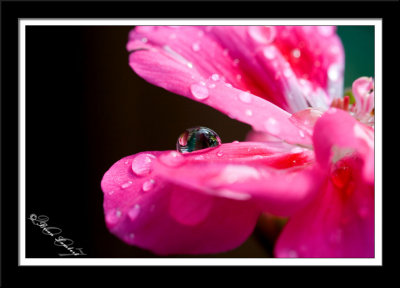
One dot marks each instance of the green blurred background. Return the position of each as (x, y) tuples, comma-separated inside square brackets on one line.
[(358, 42), (86, 109)]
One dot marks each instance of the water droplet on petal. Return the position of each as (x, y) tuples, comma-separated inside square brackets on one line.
[(341, 175), (333, 72), (113, 216), (142, 164), (148, 185), (245, 97), (197, 138), (133, 213), (220, 154), (215, 77), (269, 52), (271, 125), (172, 158), (126, 184), (236, 62), (199, 91), (262, 34), (249, 112), (196, 47), (296, 53)]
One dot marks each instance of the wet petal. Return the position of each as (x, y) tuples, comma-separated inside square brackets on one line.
[(337, 134), (146, 210), (339, 222), (363, 91), (278, 180)]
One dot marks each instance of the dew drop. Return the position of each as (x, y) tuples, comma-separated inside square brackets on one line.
[(212, 85), (269, 52), (245, 97), (148, 185), (196, 47), (142, 164), (262, 34), (271, 126), (200, 92), (113, 216), (197, 138), (126, 184), (341, 176), (133, 213), (215, 77), (333, 72), (249, 112), (296, 53), (220, 154), (172, 158), (236, 62)]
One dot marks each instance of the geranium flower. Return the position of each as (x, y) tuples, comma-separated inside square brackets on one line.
[(279, 80)]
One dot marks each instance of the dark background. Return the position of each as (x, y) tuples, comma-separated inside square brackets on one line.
[(86, 109)]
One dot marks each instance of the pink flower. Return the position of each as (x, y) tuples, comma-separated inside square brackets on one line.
[(208, 201)]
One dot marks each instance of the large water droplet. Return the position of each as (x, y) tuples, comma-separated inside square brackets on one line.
[(197, 138), (199, 91), (141, 165)]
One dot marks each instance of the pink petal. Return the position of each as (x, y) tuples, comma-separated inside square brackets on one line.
[(339, 222), (143, 209), (219, 65), (363, 93), (338, 134), (276, 179)]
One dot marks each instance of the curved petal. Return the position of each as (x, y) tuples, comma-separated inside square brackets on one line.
[(292, 67), (146, 210), (339, 222), (338, 134), (363, 91), (277, 179)]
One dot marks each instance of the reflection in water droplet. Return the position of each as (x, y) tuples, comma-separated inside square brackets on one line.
[(199, 91), (197, 138)]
